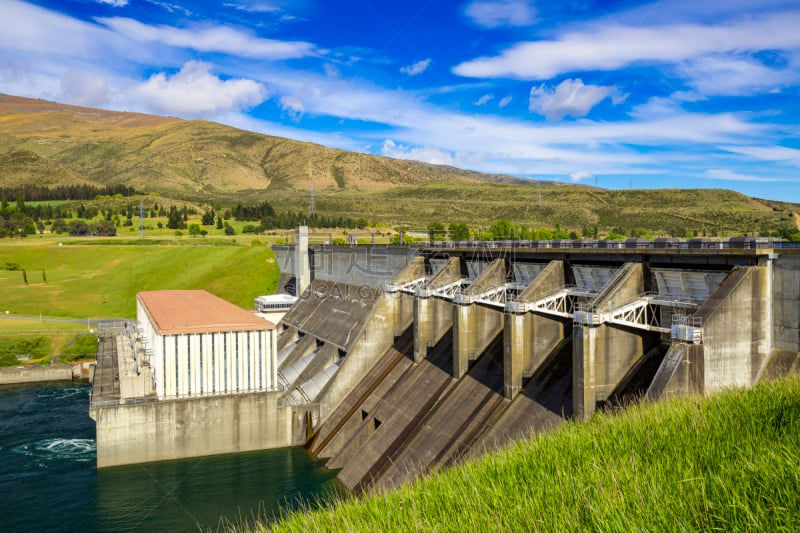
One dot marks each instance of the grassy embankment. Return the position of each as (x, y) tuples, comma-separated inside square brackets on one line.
[(658, 212), (96, 281), (41, 341), (725, 463)]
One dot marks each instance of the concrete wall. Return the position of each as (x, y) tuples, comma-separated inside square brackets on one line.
[(680, 373), (35, 373), (175, 429), (376, 338), (374, 266), (786, 303), (736, 329)]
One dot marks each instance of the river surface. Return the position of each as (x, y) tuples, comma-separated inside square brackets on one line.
[(49, 482)]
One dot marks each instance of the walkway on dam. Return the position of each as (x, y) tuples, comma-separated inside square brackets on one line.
[(105, 387)]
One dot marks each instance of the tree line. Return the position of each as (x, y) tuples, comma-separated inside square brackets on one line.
[(34, 193)]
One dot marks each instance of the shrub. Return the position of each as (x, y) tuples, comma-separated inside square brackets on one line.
[(82, 347)]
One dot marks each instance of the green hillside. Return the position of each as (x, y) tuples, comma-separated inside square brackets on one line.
[(724, 463), (203, 163)]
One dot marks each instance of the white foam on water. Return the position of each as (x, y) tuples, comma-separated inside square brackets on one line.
[(76, 449)]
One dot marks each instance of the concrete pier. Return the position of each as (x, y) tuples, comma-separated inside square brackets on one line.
[(529, 337), (476, 325), (603, 354), (433, 317)]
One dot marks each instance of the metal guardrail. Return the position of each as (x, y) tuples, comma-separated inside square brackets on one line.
[(757, 243)]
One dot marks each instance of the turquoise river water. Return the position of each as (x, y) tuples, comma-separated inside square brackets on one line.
[(48, 479)]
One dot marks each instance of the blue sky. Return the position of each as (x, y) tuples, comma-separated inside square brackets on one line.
[(681, 93)]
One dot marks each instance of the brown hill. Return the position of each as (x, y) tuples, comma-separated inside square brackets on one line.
[(202, 162), (194, 159)]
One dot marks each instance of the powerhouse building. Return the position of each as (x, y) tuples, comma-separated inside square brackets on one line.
[(201, 345)]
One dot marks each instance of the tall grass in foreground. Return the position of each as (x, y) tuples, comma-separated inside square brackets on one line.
[(729, 463)]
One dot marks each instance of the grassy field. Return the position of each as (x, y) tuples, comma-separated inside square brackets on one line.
[(43, 340), (725, 463), (96, 281)]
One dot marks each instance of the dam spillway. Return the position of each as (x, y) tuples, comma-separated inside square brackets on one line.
[(466, 348)]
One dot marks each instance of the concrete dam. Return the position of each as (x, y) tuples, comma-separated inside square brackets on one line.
[(397, 361)]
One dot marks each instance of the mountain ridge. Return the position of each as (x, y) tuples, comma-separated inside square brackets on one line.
[(196, 157), (205, 164)]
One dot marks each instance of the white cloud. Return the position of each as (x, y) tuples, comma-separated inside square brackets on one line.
[(211, 39), (767, 153), (498, 13), (605, 46), (195, 91), (115, 3), (293, 106), (483, 100), (426, 155), (737, 75), (85, 89), (254, 7), (504, 101), (657, 137), (579, 176), (331, 71), (730, 175), (569, 98), (416, 68)]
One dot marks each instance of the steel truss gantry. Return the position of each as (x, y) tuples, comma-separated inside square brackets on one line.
[(645, 313), (408, 287), (494, 297), (446, 292), (561, 303)]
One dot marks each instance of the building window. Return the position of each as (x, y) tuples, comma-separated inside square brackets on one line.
[(213, 367), (236, 353), (249, 382), (260, 361)]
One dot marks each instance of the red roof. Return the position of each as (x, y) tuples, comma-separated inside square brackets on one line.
[(195, 311)]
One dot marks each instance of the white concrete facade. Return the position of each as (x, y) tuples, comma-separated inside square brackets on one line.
[(210, 363)]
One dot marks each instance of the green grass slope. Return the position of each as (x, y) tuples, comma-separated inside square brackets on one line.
[(85, 281), (725, 463), (659, 212)]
